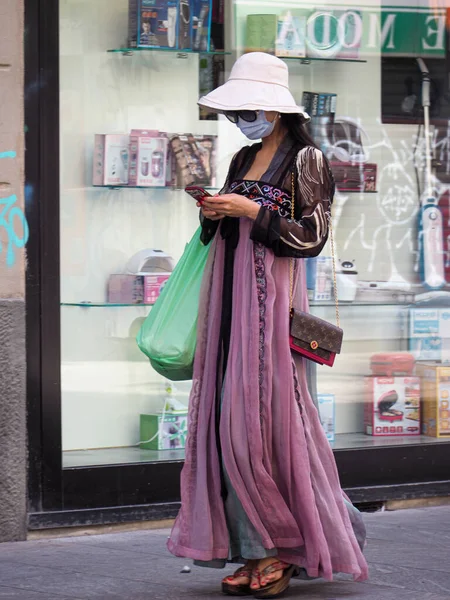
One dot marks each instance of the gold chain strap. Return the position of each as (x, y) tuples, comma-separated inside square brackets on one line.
[(291, 265)]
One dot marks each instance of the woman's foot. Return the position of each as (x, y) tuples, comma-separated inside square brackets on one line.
[(238, 584), (268, 570)]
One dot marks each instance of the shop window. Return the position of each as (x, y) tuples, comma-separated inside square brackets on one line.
[(132, 138)]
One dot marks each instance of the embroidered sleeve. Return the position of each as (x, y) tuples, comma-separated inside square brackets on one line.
[(306, 235)]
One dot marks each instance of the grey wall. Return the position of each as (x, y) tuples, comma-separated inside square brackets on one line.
[(12, 421), (13, 236)]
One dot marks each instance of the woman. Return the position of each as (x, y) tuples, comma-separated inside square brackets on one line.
[(260, 484)]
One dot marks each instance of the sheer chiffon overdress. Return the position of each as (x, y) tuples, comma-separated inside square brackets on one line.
[(260, 477)]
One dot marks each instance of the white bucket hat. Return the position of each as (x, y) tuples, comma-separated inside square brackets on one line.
[(258, 81)]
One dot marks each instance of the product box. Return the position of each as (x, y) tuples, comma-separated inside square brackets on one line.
[(441, 163), (111, 158), (444, 207), (310, 266), (211, 75), (166, 432), (389, 364), (429, 333), (319, 278), (156, 23), (148, 158), (327, 414), (291, 36), (201, 24), (193, 160), (435, 399), (321, 107), (126, 288), (392, 406), (153, 286), (261, 33), (350, 177)]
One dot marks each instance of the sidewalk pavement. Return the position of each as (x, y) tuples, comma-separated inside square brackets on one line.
[(408, 552)]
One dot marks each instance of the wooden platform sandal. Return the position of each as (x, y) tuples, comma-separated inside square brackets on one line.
[(273, 589), (238, 590)]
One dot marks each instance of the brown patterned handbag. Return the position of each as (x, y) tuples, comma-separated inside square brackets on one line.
[(310, 336)]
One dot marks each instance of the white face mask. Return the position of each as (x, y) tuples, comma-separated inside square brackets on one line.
[(258, 129)]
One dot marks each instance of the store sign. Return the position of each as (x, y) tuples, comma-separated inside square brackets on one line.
[(396, 33), (339, 31)]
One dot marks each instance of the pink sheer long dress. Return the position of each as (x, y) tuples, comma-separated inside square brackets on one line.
[(260, 478)]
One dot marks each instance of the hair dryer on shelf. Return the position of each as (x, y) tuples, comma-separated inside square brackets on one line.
[(430, 216)]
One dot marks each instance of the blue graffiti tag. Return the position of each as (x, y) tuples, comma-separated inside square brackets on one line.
[(10, 217), (9, 154)]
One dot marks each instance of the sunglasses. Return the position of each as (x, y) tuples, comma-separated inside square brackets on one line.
[(249, 116)]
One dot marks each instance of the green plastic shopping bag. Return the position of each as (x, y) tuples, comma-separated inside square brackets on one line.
[(168, 336)]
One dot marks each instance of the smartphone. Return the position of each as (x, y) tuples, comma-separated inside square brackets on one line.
[(196, 192)]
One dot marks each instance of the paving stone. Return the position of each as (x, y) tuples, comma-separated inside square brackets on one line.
[(7, 593), (407, 551)]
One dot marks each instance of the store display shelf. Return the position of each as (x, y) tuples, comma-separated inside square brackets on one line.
[(307, 59), (102, 304), (358, 303), (179, 53), (357, 191), (130, 454), (146, 187), (312, 303)]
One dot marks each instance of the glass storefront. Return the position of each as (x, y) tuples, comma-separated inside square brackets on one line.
[(131, 138)]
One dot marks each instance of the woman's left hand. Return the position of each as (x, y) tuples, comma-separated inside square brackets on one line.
[(232, 205)]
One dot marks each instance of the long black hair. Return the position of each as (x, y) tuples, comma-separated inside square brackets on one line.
[(294, 124)]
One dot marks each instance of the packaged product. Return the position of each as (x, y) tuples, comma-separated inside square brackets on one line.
[(163, 431), (392, 406), (435, 399), (429, 333), (193, 160), (111, 158), (156, 23), (148, 158), (327, 414)]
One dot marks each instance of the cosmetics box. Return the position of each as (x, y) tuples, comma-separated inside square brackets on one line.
[(166, 431), (327, 412), (148, 158), (429, 334), (155, 23), (291, 36), (261, 33), (193, 159), (435, 381), (352, 177), (392, 406), (126, 288), (111, 158), (201, 24)]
